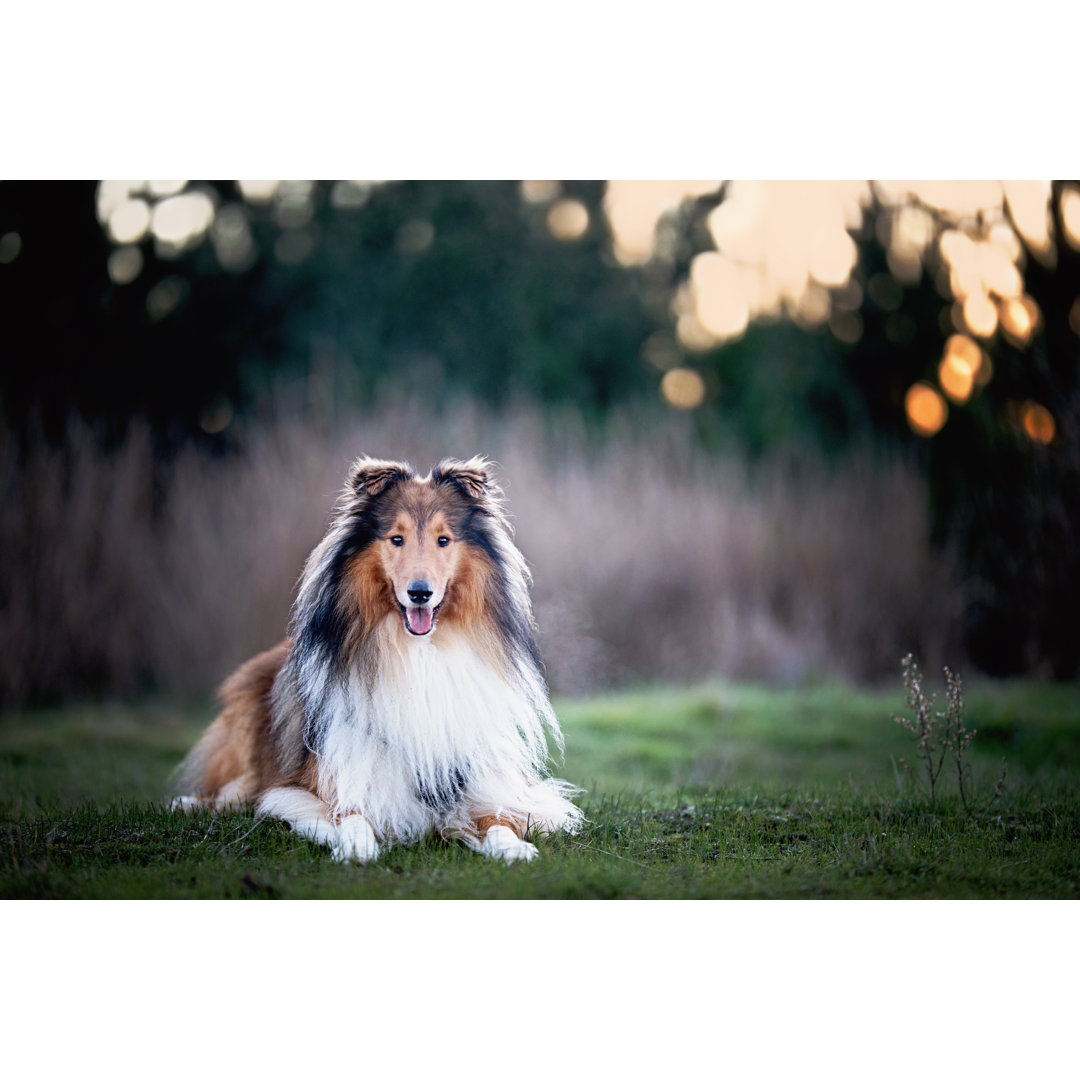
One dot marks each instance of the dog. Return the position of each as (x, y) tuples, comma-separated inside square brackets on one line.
[(409, 696)]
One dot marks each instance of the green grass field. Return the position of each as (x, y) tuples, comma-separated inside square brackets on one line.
[(716, 791)]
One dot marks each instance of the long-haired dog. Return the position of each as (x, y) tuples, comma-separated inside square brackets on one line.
[(409, 695)]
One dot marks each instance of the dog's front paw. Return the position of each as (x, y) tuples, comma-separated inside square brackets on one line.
[(355, 841), (501, 842)]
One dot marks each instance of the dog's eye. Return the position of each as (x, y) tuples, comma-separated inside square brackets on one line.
[(443, 541), (397, 541)]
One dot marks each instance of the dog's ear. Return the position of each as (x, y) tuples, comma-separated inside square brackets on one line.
[(369, 477), (472, 477)]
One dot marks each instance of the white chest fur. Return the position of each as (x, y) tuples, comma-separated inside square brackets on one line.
[(441, 735)]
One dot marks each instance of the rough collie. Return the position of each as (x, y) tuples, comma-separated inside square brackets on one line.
[(409, 696)]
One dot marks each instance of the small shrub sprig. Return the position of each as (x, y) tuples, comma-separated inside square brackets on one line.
[(941, 735)]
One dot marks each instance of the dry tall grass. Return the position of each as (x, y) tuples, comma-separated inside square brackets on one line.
[(651, 561)]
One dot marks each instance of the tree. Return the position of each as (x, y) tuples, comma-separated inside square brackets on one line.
[(958, 329), (188, 304)]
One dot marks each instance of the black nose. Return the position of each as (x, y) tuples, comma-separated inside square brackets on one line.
[(419, 592)]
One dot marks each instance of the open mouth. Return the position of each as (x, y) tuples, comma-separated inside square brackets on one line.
[(419, 620)]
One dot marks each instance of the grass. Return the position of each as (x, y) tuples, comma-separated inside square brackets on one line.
[(720, 790)]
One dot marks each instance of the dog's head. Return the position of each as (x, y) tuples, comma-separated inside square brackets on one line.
[(421, 529)]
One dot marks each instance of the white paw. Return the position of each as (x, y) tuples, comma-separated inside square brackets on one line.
[(355, 841), (186, 804), (503, 843)]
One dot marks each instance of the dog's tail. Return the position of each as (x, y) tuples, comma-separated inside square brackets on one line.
[(226, 764)]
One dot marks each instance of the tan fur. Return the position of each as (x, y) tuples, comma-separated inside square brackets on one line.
[(307, 777), (486, 821), (464, 603), (236, 752), (371, 592)]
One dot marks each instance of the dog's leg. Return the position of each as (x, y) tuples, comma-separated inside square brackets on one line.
[(303, 810), (501, 842), (356, 840), (188, 804), (501, 839), (353, 839), (230, 797)]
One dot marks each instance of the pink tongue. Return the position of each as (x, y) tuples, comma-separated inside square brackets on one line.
[(419, 619)]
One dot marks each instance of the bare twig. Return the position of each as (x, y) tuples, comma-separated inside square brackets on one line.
[(941, 734), (929, 746)]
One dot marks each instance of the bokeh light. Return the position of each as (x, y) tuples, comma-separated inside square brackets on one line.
[(258, 192), (789, 239), (979, 266), (952, 199), (720, 298), (294, 205), (10, 246), (846, 326), (232, 240), (129, 221), (635, 207), (162, 189), (977, 208), (1038, 422), (660, 351), (682, 388), (111, 193), (692, 335), (980, 248), (980, 314), (813, 308), (568, 220), (540, 191), (779, 247), (125, 264), (414, 237), (165, 297), (960, 364), (910, 233), (217, 416), (350, 194), (179, 223), (831, 264), (1074, 317), (1029, 206), (1019, 319), (925, 409), (1070, 215)]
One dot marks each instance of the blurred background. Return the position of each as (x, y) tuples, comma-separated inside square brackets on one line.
[(780, 431)]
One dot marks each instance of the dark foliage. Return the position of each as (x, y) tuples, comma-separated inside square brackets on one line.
[(428, 291)]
